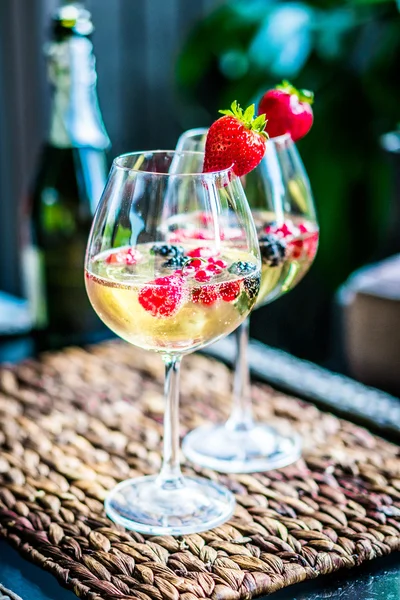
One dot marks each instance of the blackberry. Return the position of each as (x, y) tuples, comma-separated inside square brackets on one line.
[(175, 261), (242, 268), (252, 285), (273, 250), (167, 250)]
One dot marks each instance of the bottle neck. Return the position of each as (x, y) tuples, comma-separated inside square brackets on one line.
[(76, 120)]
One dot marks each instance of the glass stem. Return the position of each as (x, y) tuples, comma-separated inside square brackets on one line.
[(171, 476), (241, 418)]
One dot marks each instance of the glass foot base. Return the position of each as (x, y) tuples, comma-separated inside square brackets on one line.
[(261, 448), (147, 505)]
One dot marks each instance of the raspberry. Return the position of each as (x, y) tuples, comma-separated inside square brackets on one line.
[(221, 263), (202, 252), (242, 268), (273, 249), (282, 231), (303, 228), (207, 295), (202, 275), (296, 247), (125, 256), (196, 263), (212, 268), (311, 244), (205, 218), (229, 291), (162, 297)]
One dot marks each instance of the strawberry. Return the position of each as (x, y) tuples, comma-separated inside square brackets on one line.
[(235, 140), (229, 291), (288, 110), (163, 296), (207, 295), (124, 256)]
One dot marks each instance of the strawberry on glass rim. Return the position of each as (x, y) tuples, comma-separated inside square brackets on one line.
[(288, 110), (235, 140)]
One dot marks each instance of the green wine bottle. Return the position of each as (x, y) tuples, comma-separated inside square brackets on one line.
[(70, 179)]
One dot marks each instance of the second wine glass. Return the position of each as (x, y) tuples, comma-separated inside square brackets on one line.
[(281, 201)]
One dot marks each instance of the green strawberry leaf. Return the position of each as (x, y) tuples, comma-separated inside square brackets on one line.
[(247, 117), (303, 95), (249, 114)]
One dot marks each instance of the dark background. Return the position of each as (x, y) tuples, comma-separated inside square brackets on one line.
[(167, 65)]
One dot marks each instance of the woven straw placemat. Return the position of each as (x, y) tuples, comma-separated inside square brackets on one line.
[(7, 594), (76, 422)]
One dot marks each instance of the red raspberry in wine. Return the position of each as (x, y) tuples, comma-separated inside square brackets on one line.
[(296, 248), (311, 244), (202, 275), (162, 297), (282, 231), (303, 228), (124, 256), (202, 252), (221, 263), (196, 263), (207, 295), (213, 268), (229, 291)]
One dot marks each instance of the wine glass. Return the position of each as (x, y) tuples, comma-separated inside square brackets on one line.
[(149, 283), (279, 194)]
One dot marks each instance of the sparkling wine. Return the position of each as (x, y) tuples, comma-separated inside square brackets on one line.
[(168, 298)]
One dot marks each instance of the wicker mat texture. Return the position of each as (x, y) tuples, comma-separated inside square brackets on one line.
[(7, 594), (76, 422)]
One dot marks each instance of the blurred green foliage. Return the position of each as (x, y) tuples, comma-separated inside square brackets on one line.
[(348, 53)]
